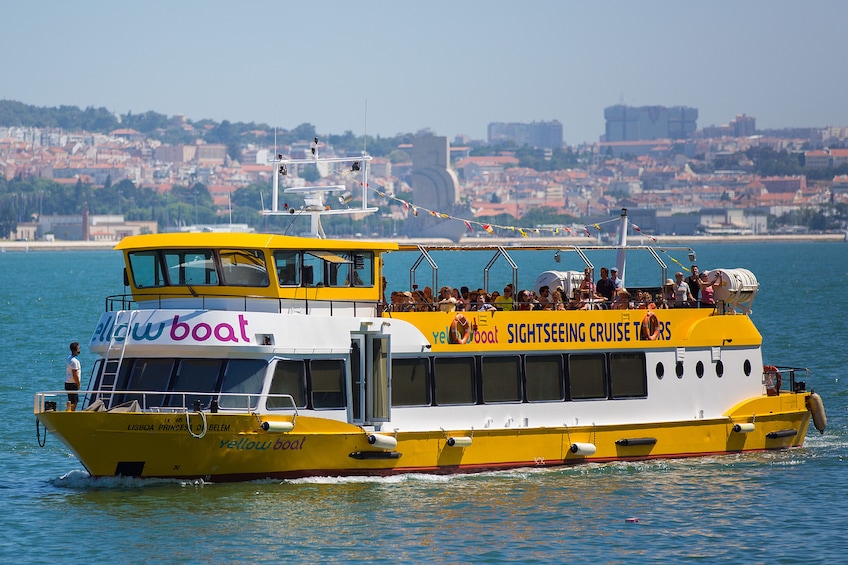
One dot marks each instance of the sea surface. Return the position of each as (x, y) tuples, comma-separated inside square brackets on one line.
[(773, 507)]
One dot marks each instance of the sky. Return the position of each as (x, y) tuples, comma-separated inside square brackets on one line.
[(389, 67)]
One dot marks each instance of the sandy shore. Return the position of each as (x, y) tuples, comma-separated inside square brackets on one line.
[(25, 246)]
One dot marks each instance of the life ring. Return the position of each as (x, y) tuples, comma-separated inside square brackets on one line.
[(772, 380), (460, 329), (650, 326)]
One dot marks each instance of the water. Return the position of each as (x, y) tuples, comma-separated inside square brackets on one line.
[(775, 507)]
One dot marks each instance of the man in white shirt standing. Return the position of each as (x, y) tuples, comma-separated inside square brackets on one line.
[(72, 376)]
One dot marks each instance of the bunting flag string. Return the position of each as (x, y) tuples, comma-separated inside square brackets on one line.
[(489, 228)]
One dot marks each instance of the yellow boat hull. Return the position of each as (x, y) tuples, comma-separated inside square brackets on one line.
[(235, 447)]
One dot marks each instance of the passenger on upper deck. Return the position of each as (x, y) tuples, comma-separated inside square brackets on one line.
[(556, 299), (586, 285), (461, 303), (504, 302), (524, 301), (605, 287), (544, 296), (577, 301), (614, 278), (622, 300), (421, 302), (472, 300), (428, 296), (484, 302), (693, 282), (447, 303), (682, 296), (708, 287)]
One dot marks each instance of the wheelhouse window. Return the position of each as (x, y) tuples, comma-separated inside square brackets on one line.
[(544, 378), (243, 267), (501, 379), (242, 383), (628, 375), (587, 377), (363, 268), (191, 267), (327, 383), (288, 266), (454, 380), (410, 382), (146, 268), (319, 267)]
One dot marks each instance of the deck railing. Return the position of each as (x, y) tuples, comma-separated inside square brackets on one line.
[(177, 402)]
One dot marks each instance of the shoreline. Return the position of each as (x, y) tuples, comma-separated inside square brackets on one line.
[(26, 246)]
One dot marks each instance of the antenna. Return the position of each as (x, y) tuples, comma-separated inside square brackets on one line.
[(275, 129), (365, 130), (296, 216)]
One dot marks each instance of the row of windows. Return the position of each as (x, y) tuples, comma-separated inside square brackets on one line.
[(320, 383), (240, 378), (517, 378), (247, 267)]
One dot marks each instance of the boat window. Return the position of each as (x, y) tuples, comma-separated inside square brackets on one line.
[(243, 267), (287, 264), (289, 378), (628, 375), (699, 369), (543, 378), (149, 375), (146, 269), (313, 269), (719, 367), (678, 369), (327, 383), (197, 376), (242, 383), (746, 368), (501, 377), (122, 380), (586, 377), (363, 268), (410, 382), (191, 267), (454, 380), (660, 370)]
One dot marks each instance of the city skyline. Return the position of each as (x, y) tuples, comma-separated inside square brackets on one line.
[(387, 68)]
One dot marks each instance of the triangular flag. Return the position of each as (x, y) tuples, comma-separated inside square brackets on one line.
[(488, 228)]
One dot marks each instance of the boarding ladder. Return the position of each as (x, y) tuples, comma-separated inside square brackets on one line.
[(110, 375)]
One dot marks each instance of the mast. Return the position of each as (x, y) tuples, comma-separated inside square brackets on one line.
[(621, 257)]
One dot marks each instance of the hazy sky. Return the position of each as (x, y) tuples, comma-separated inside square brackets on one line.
[(451, 66)]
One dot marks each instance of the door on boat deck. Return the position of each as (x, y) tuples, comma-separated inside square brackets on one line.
[(369, 390)]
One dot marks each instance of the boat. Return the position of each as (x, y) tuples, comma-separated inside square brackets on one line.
[(246, 356)]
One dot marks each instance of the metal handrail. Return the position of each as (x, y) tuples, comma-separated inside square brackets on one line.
[(41, 397), (127, 302)]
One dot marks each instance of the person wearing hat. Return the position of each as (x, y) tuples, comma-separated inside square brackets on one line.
[(614, 278), (668, 291)]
